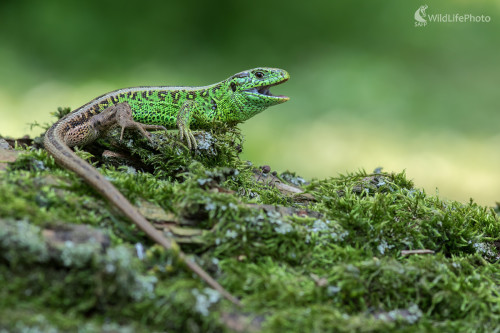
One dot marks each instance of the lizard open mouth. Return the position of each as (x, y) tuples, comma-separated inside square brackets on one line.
[(264, 90)]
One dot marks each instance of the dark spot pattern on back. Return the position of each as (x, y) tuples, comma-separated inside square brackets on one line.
[(175, 96), (132, 95), (114, 99), (162, 94), (102, 105)]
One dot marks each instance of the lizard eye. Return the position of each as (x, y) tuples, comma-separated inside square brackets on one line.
[(259, 75), (233, 86)]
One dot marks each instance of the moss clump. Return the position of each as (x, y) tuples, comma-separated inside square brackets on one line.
[(325, 256)]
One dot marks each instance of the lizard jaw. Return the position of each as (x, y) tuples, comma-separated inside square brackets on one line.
[(264, 91)]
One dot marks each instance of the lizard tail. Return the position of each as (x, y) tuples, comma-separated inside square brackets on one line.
[(55, 144)]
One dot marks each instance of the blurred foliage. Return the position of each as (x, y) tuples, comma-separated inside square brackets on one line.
[(363, 59)]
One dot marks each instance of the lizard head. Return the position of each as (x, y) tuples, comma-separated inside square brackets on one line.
[(250, 90)]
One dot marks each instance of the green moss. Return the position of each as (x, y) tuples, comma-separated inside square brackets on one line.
[(332, 263)]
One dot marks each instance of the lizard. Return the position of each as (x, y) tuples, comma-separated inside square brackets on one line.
[(232, 101)]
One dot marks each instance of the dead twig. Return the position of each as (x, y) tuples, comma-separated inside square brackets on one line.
[(411, 252)]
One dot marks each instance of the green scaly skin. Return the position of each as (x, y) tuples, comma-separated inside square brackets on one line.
[(231, 101)]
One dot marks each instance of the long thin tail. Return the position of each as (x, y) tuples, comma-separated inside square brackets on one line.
[(55, 144)]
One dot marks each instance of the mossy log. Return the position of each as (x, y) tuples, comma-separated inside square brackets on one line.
[(356, 252)]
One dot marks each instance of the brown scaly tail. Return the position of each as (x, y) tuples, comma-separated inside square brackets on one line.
[(55, 144)]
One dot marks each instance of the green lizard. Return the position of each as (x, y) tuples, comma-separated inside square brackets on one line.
[(232, 101)]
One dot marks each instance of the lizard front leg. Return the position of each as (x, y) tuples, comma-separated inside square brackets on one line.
[(88, 130), (183, 120)]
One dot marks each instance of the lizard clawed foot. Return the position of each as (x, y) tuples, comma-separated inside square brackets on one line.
[(190, 139), (183, 119)]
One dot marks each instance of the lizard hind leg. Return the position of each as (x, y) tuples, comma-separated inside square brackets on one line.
[(87, 129)]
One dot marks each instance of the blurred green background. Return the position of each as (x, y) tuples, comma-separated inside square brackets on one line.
[(367, 87)]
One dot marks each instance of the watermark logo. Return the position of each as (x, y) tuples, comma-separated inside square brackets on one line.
[(420, 15), (422, 18)]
